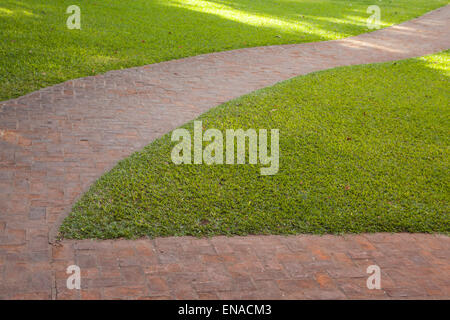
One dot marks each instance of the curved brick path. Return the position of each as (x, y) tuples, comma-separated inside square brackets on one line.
[(55, 142)]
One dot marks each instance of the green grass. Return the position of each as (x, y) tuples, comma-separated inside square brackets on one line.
[(37, 49), (362, 149)]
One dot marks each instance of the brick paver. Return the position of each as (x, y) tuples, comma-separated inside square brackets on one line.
[(55, 142)]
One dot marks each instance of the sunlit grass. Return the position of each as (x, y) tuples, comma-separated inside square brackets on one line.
[(4, 11), (241, 16), (438, 62)]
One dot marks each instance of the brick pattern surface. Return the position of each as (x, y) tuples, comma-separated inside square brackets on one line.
[(55, 142)]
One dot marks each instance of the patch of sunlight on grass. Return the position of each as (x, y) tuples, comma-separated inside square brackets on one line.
[(361, 21), (103, 59), (438, 62), (356, 20), (4, 11), (252, 19)]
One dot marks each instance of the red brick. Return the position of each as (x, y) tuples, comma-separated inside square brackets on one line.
[(157, 286), (132, 275), (126, 292), (324, 280), (91, 294)]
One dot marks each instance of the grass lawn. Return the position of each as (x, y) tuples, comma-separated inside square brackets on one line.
[(362, 149), (38, 50)]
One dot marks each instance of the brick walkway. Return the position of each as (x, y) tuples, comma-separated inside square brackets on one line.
[(55, 142)]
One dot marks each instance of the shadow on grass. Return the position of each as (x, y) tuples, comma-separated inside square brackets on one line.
[(37, 49)]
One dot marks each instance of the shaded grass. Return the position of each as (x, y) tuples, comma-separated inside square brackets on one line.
[(37, 49), (362, 149)]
